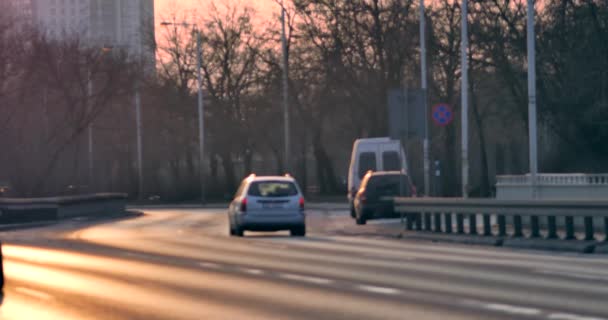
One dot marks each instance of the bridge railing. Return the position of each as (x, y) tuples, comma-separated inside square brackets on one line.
[(551, 219), (553, 186)]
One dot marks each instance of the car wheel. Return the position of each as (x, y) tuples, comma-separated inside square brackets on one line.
[(231, 227), (360, 218), (238, 231), (298, 232)]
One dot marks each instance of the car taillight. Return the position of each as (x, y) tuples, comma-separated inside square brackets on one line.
[(301, 203), (244, 205)]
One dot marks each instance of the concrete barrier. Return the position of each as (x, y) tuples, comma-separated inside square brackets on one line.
[(26, 210)]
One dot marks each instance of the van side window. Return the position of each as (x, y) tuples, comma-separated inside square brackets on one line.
[(390, 161), (367, 161)]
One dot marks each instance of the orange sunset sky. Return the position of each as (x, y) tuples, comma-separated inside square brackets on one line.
[(166, 7)]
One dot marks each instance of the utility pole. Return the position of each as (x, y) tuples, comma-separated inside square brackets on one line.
[(427, 180), (285, 91), (201, 116), (532, 134), (465, 101)]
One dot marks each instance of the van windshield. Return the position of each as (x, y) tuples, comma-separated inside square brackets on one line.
[(390, 161), (367, 162), (272, 189)]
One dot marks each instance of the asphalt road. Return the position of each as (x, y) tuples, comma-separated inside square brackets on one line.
[(180, 264)]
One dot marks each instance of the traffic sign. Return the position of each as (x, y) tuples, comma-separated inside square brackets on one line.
[(442, 114)]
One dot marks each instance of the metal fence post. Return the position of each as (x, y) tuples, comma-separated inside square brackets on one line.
[(517, 228), (473, 224), (448, 222), (459, 223), (534, 227), (427, 221), (589, 234), (569, 221), (502, 226), (437, 221), (419, 221), (487, 227), (551, 227)]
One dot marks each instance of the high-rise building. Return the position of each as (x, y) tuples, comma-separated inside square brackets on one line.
[(125, 24)]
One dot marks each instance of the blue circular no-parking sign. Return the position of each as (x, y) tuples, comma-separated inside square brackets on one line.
[(442, 114)]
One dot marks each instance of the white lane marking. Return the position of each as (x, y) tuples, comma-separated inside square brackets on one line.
[(376, 289), (568, 316), (512, 309), (34, 293), (252, 271), (209, 265), (297, 277)]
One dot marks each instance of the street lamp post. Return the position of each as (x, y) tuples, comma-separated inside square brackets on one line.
[(201, 117), (465, 101), (285, 91), (532, 134), (423, 79)]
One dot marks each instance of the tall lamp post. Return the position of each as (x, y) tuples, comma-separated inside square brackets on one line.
[(465, 100), (201, 118), (285, 91), (423, 80), (532, 134)]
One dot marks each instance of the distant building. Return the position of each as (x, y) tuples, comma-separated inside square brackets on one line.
[(126, 24)]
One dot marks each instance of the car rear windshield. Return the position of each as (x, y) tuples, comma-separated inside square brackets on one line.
[(388, 185), (272, 189)]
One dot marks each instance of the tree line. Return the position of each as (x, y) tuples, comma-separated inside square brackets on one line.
[(343, 58)]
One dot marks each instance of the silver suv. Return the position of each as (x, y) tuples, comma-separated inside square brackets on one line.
[(267, 203)]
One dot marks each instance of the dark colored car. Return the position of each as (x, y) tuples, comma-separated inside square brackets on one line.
[(374, 198)]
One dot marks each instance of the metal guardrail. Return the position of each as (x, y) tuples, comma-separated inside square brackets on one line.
[(18, 210), (436, 214)]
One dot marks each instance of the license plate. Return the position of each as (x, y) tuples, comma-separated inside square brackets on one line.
[(272, 205)]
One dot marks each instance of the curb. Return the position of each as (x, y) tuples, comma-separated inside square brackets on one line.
[(27, 225), (460, 239), (601, 248), (553, 245)]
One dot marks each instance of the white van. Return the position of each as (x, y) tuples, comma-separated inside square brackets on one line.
[(376, 154)]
